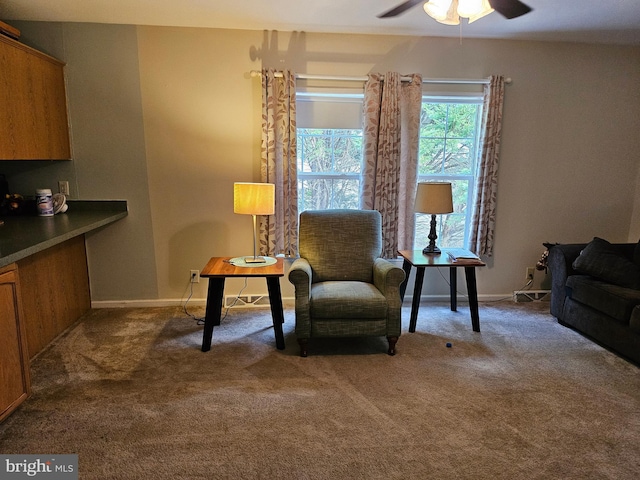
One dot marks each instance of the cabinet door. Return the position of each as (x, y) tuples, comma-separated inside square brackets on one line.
[(14, 366), (33, 105)]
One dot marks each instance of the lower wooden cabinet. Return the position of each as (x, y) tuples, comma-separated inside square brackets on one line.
[(55, 291), (14, 359), (40, 297)]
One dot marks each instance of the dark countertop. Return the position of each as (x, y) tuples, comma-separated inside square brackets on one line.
[(24, 235)]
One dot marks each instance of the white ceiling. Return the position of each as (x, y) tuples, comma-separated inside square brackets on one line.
[(595, 21)]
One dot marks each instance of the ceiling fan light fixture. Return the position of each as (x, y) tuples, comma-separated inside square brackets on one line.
[(474, 9), (443, 11), (448, 12)]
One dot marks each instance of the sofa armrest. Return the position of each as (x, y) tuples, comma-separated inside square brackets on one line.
[(300, 276), (560, 263)]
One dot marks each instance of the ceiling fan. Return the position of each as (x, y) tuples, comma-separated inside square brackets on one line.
[(507, 8)]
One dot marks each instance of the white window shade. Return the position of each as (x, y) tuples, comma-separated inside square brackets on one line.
[(316, 110)]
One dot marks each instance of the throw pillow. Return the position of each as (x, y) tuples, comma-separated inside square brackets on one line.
[(599, 260)]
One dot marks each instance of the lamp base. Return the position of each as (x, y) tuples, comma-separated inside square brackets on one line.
[(431, 250)]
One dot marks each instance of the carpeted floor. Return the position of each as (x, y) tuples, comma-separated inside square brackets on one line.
[(130, 391)]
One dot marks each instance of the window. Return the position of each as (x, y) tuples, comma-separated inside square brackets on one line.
[(448, 151), (329, 168), (329, 150), (330, 156)]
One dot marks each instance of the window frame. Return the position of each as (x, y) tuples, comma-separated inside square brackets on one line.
[(306, 176), (475, 98), (470, 178)]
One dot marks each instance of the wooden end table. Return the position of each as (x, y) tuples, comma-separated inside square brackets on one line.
[(217, 270), (415, 258)]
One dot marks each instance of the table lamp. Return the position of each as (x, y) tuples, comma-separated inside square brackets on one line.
[(254, 199), (434, 198)]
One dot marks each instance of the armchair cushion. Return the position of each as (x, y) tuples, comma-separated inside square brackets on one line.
[(347, 300)]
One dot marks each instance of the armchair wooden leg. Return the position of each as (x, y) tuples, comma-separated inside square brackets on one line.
[(303, 346), (392, 345)]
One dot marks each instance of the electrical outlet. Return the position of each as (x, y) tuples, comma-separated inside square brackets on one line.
[(530, 273), (63, 187), (195, 276)]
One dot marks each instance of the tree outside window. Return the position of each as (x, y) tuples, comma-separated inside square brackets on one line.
[(329, 168)]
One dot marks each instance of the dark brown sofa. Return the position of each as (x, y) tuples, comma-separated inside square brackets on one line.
[(596, 290)]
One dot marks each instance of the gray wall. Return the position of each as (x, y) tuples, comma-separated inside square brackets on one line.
[(168, 119)]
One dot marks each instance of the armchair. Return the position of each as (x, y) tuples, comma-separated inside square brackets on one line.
[(342, 287)]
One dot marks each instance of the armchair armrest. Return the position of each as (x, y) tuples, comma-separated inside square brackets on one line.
[(387, 278), (300, 276)]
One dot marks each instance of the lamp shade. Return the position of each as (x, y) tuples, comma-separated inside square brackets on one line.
[(434, 198), (254, 198)]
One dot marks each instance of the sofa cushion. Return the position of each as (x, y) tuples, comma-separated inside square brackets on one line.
[(599, 260), (636, 254), (612, 300)]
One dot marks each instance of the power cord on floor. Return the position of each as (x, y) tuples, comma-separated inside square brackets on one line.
[(200, 320), (236, 299)]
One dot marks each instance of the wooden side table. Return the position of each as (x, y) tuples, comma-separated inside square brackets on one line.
[(415, 258), (217, 270)]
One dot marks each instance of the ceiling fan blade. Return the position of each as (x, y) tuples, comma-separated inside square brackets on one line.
[(403, 7), (510, 8)]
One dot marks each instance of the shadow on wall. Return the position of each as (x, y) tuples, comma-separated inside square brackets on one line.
[(295, 57), (407, 56), (192, 247)]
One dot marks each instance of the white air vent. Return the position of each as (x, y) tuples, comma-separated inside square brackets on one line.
[(532, 296), (246, 301)]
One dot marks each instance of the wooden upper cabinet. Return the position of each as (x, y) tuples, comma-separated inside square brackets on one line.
[(33, 104)]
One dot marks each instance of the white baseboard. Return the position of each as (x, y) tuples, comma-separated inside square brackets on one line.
[(287, 301), (146, 303)]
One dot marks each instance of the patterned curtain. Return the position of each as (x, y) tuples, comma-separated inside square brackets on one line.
[(484, 209), (391, 128), (279, 232)]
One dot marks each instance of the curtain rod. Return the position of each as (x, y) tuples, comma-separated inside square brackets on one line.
[(307, 76)]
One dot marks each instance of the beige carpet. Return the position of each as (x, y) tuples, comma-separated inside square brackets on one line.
[(131, 393)]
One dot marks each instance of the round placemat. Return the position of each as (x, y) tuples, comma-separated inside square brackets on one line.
[(239, 262)]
